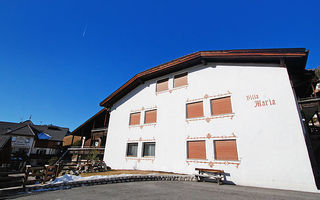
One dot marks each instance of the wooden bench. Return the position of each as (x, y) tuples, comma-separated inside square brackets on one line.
[(210, 173)]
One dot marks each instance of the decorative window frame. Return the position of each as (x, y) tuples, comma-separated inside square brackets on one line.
[(128, 149), (144, 119), (209, 138), (143, 111), (132, 125), (187, 149), (140, 142), (195, 118), (225, 96), (142, 152), (171, 87), (162, 79), (181, 74), (214, 149), (208, 117)]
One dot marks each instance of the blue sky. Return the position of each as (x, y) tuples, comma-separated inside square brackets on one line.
[(60, 59)]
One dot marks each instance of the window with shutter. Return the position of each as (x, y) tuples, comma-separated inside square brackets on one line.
[(195, 109), (226, 150), (150, 116), (162, 85), (180, 80), (221, 106), (196, 149), (134, 118)]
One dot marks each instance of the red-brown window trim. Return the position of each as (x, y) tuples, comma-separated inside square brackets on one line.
[(221, 111), (158, 85), (130, 118), (180, 76), (204, 154), (192, 115), (233, 156), (145, 116)]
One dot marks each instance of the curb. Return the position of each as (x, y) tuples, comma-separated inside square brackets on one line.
[(121, 179)]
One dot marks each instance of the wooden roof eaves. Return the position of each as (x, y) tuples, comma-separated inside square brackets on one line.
[(139, 77), (202, 55), (88, 121)]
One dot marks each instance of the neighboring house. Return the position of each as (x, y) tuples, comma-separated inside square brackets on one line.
[(38, 142), (5, 149), (49, 139), (233, 110), (90, 135), (94, 130), (22, 136)]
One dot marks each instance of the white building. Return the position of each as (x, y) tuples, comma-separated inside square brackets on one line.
[(231, 110)]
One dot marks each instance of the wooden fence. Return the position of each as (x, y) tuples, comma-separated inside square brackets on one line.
[(40, 174), (31, 175)]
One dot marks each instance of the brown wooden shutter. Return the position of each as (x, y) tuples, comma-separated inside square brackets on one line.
[(181, 80), (150, 117), (197, 149), (162, 85), (226, 150), (135, 118), (195, 109), (221, 106)]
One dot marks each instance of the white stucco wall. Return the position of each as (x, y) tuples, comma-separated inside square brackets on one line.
[(271, 147)]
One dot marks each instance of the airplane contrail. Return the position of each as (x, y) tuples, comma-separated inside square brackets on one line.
[(84, 31)]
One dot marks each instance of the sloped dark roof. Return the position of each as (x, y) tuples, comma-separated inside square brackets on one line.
[(3, 140), (27, 128), (56, 133), (294, 59), (6, 127)]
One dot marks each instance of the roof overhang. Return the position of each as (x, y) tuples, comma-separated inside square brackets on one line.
[(293, 58), (88, 121)]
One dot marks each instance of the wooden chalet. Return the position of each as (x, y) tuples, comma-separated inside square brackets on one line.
[(91, 135)]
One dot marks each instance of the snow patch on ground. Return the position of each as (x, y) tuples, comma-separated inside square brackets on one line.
[(71, 178)]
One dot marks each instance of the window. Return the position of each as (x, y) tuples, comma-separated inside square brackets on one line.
[(195, 110), (14, 139), (134, 118), (149, 149), (42, 152), (132, 149), (94, 143), (150, 116), (27, 140), (162, 85), (196, 149), (226, 150), (221, 106), (180, 80)]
